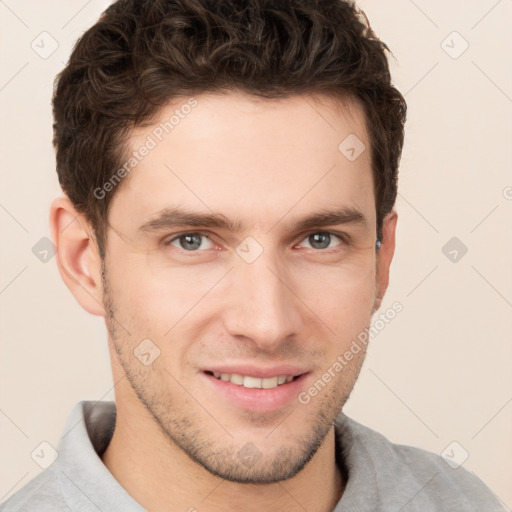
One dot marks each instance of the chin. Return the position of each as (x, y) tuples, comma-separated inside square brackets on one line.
[(248, 466)]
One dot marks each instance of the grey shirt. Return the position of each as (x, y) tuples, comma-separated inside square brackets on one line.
[(382, 476)]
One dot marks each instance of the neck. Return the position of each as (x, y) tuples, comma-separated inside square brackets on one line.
[(160, 476)]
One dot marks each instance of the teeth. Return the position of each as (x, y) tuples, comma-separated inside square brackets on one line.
[(269, 383), (237, 379), (254, 382)]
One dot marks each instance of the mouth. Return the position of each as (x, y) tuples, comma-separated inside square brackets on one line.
[(250, 382), (256, 389)]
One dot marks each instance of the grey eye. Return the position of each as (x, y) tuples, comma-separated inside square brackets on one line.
[(189, 241), (321, 240)]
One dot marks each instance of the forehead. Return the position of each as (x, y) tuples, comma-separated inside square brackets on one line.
[(249, 158)]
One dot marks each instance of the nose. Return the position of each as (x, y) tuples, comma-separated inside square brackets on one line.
[(262, 305)]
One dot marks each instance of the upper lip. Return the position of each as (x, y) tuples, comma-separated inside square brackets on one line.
[(258, 372)]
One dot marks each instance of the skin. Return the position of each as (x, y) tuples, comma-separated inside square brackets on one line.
[(265, 163)]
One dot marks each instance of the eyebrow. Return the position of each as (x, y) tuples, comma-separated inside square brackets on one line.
[(175, 217)]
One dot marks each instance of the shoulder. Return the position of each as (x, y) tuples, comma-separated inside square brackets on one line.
[(411, 477), (41, 494)]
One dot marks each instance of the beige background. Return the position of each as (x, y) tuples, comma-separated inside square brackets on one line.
[(438, 373)]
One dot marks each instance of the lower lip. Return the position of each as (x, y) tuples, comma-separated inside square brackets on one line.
[(256, 399)]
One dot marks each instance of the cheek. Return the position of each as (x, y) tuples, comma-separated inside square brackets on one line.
[(153, 303), (343, 297), (352, 277)]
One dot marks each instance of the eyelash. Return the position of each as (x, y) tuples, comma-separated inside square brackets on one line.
[(344, 240)]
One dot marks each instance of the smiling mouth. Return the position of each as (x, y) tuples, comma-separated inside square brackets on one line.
[(253, 382)]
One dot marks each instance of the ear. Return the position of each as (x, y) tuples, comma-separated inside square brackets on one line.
[(385, 255), (77, 255)]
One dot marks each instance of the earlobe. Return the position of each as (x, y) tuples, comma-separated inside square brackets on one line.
[(77, 255), (385, 256)]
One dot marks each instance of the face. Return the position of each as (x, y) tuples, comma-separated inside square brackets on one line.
[(229, 288)]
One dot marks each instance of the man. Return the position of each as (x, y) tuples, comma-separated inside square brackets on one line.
[(230, 171)]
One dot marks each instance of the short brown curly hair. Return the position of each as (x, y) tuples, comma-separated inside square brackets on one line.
[(141, 54)]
